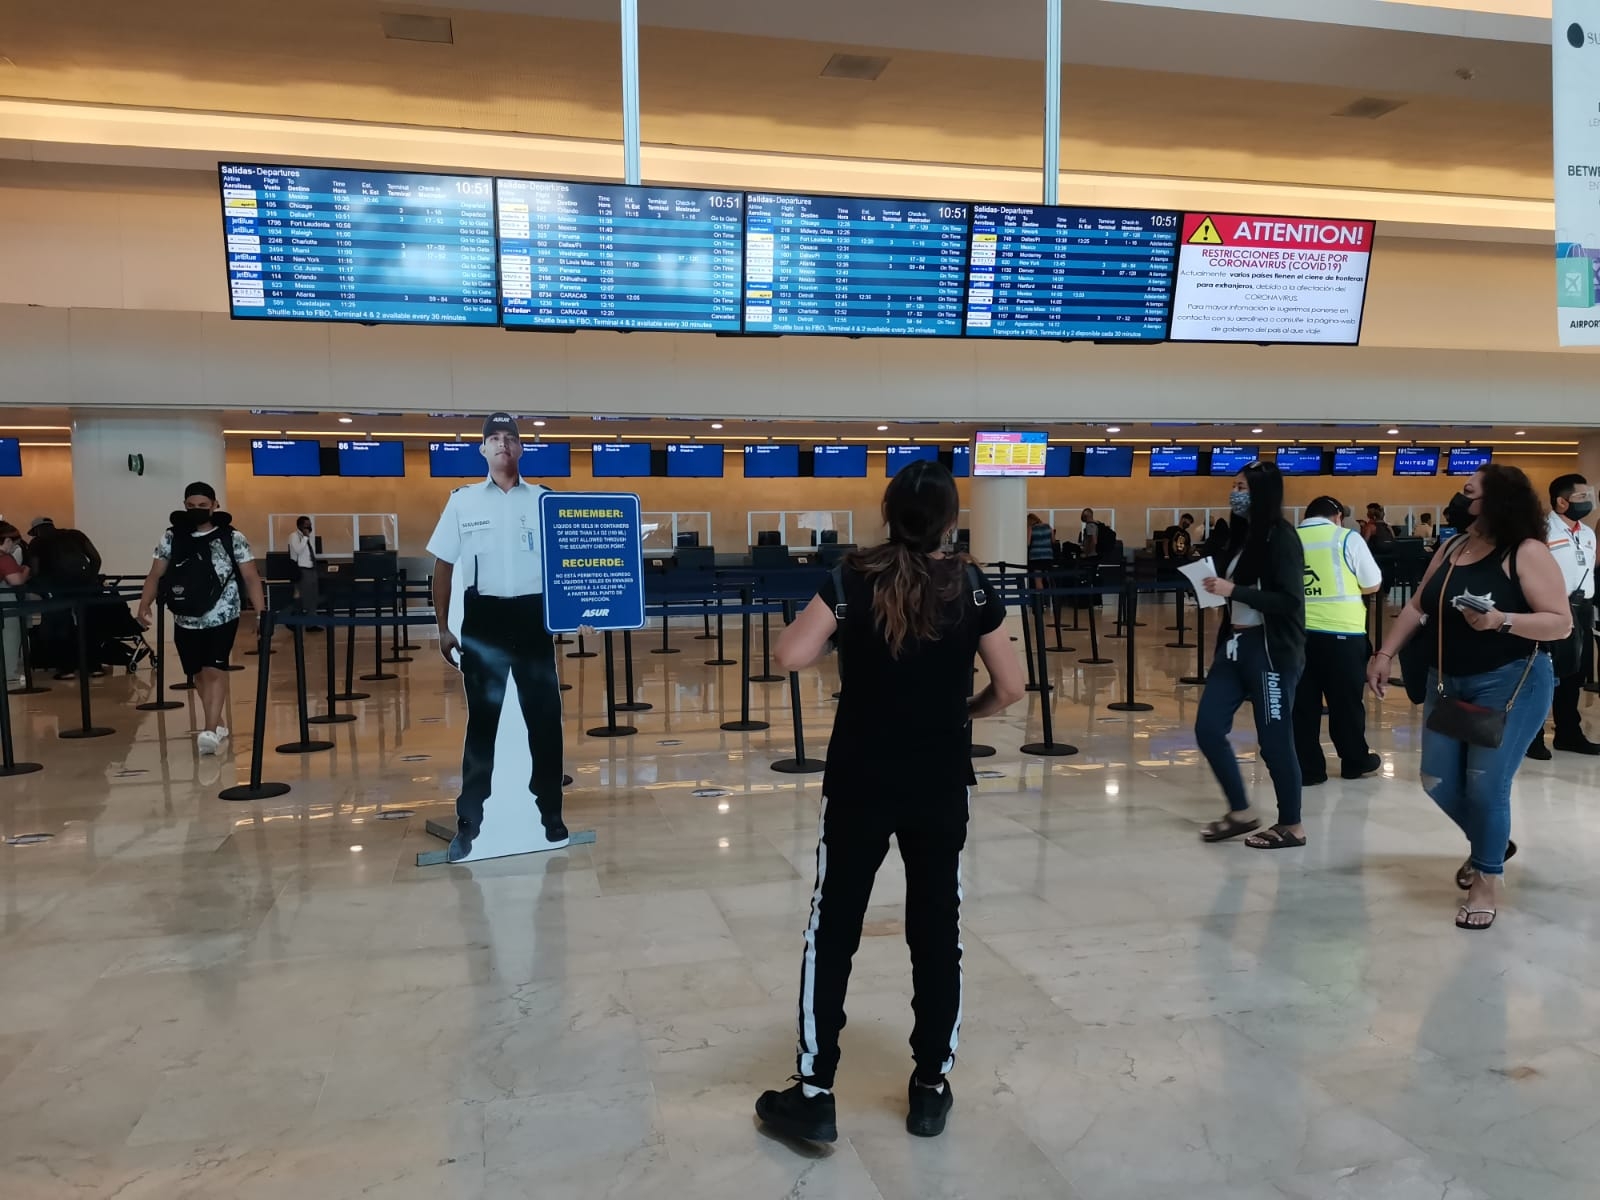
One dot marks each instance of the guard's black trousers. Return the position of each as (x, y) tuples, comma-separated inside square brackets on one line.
[(1336, 667), (501, 637), (1569, 724), (931, 831)]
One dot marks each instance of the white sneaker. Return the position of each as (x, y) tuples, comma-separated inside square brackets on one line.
[(208, 742), (222, 734)]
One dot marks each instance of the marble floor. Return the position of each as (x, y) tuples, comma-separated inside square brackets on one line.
[(209, 999)]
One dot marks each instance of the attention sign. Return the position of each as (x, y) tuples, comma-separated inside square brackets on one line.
[(1271, 279)]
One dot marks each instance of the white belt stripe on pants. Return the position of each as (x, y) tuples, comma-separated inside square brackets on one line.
[(808, 969)]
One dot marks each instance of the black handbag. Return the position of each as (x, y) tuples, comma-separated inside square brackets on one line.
[(1456, 718)]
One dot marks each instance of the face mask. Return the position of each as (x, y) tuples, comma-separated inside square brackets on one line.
[(1581, 509), (1239, 503), (1458, 513)]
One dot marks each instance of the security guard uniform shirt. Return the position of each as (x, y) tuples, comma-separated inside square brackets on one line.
[(1339, 565), (493, 536), (1574, 550)]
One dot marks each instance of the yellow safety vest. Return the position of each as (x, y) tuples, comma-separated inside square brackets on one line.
[(1333, 593)]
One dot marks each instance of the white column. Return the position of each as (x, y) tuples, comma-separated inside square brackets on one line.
[(1000, 520), (124, 513), (1589, 457)]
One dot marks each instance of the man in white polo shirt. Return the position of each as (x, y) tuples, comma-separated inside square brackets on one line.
[(1573, 544), (490, 530)]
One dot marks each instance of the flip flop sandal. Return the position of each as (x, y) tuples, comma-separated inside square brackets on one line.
[(1464, 918), (1468, 873), (1221, 831), (1276, 838)]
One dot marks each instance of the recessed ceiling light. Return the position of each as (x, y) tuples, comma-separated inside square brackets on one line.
[(1113, 428), (716, 424), (356, 849), (883, 429), (1522, 433), (347, 420), (538, 424), (1392, 432), (1257, 429)]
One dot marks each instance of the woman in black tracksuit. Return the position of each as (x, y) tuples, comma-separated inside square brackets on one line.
[(908, 617), (1261, 651)]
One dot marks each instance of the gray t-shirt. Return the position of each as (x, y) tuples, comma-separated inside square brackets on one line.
[(228, 605)]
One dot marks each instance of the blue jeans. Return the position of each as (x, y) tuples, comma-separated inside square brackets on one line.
[(1250, 676), (1472, 784)]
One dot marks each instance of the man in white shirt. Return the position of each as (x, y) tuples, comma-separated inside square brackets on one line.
[(303, 553), (490, 530), (1573, 545), (1340, 574)]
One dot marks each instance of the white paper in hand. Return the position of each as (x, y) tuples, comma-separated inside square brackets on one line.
[(1197, 573)]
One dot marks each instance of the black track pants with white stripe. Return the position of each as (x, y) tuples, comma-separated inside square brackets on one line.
[(931, 832)]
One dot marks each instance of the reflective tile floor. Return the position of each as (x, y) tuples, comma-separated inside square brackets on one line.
[(204, 999)]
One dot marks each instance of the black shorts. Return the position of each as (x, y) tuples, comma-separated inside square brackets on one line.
[(202, 648)]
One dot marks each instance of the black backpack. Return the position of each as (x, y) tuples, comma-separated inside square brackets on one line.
[(190, 587)]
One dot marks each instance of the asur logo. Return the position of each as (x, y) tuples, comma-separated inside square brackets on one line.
[(1578, 37), (596, 612)]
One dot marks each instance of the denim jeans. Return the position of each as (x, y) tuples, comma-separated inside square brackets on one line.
[(1472, 784), (1249, 675)]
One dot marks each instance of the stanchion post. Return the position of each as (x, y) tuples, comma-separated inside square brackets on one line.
[(611, 728), (1183, 631), (256, 789), (722, 659), (378, 674), (767, 675), (1130, 600), (29, 687), (1094, 659), (705, 617), (744, 724), (1199, 676), (405, 617), (1054, 584), (666, 631), (1036, 676), (630, 704), (582, 651), (8, 752), (158, 704), (799, 764), (349, 692), (1049, 748), (306, 744), (87, 728), (333, 716), (395, 656)]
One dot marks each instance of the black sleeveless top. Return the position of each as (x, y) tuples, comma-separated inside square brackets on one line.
[(1468, 651)]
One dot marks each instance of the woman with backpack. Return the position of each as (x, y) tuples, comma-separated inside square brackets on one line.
[(199, 568), (908, 617)]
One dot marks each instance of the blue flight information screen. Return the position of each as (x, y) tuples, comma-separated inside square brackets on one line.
[(1174, 460), (1230, 460), (694, 460), (1468, 460), (270, 456), (961, 462), (620, 460), (372, 460), (839, 462), (11, 458), (903, 456), (312, 244), (844, 265), (1416, 460), (605, 256), (1107, 462), (457, 460), (546, 460), (1355, 460), (776, 460), (1058, 462), (1300, 460), (1088, 273)]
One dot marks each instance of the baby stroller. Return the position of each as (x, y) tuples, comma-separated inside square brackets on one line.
[(115, 638)]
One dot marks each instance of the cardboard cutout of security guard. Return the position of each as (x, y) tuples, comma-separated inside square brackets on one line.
[(488, 592)]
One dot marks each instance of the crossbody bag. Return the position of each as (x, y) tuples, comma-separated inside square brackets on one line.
[(1474, 724)]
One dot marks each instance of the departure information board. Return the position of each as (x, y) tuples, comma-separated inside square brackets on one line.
[(342, 245), (605, 256), (839, 462), (372, 460), (1091, 273), (1355, 460), (844, 265)]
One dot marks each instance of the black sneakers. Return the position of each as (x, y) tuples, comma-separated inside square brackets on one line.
[(1538, 750), (1373, 762), (928, 1109), (790, 1113), (1575, 743)]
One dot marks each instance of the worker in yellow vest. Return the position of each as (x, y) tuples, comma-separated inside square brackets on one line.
[(1340, 573)]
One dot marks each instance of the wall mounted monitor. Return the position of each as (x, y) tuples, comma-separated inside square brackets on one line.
[(1009, 455), (1230, 460), (902, 456), (318, 244), (1416, 460), (961, 461), (1285, 280), (1107, 462), (372, 460), (282, 457), (10, 458), (1355, 460), (853, 265), (835, 461), (1468, 460), (546, 460), (1058, 462), (1102, 274), (1174, 460), (605, 256), (620, 460), (694, 460), (772, 460), (457, 460), (1300, 460)]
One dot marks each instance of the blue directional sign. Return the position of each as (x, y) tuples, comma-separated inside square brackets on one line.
[(593, 561)]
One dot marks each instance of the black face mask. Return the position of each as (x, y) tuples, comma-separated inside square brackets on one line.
[(1458, 513), (1580, 509)]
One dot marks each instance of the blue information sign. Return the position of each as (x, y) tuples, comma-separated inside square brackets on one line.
[(593, 561)]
